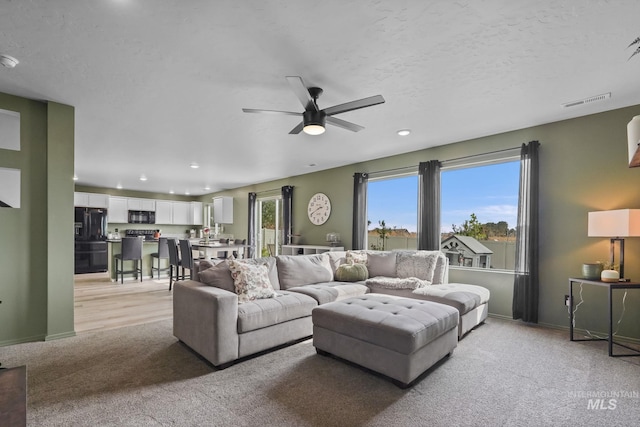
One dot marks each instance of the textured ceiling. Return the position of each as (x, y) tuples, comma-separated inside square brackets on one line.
[(157, 85)]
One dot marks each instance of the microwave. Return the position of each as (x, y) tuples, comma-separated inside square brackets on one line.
[(142, 217)]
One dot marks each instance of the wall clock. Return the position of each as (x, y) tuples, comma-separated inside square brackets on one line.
[(319, 209)]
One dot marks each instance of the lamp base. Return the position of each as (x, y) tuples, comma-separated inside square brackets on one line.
[(609, 276)]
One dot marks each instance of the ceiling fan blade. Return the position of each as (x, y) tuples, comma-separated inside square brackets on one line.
[(296, 130), (354, 105), (288, 113), (301, 91), (343, 124)]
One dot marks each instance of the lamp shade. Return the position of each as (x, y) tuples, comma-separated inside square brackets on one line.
[(615, 223), (633, 136)]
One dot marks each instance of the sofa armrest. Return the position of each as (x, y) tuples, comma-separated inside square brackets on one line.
[(205, 318)]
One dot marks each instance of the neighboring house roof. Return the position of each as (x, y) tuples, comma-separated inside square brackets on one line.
[(473, 244)]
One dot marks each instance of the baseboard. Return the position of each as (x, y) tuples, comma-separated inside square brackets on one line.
[(23, 340), (61, 335)]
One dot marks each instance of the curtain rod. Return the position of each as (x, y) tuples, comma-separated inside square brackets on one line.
[(412, 168)]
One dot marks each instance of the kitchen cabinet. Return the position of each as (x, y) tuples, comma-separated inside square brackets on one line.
[(90, 200), (164, 212), (223, 210), (134, 204), (180, 213), (118, 212), (195, 213)]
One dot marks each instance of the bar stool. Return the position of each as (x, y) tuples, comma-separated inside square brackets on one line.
[(186, 257), (174, 261), (239, 251), (131, 251), (163, 253)]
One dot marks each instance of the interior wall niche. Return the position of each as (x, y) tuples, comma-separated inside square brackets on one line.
[(9, 188), (9, 130)]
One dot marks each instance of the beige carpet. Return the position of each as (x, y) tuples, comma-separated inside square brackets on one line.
[(502, 374)]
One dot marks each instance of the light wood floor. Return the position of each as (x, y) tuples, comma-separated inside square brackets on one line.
[(101, 304)]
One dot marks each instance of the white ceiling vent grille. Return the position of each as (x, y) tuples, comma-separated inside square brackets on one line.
[(588, 100)]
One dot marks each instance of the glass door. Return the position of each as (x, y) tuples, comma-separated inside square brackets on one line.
[(269, 225)]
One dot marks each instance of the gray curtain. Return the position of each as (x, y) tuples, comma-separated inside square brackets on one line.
[(287, 214), (251, 241), (525, 286), (359, 237), (429, 205)]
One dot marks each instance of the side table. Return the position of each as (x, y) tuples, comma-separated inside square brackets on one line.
[(611, 287)]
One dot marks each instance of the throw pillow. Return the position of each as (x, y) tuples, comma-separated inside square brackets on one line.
[(352, 273), (219, 276), (270, 262), (419, 264), (381, 264), (357, 257), (251, 281)]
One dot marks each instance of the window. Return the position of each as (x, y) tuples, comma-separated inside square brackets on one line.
[(392, 210), (479, 209)]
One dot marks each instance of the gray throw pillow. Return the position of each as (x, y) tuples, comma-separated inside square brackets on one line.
[(218, 276), (270, 262)]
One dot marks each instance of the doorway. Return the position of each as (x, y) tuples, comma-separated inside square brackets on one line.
[(269, 227)]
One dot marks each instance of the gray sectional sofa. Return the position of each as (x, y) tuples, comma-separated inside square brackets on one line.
[(208, 317)]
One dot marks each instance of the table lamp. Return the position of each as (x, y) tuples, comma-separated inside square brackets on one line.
[(616, 224)]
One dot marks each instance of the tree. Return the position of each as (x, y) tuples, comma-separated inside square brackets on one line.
[(383, 235), (269, 214), (471, 227)]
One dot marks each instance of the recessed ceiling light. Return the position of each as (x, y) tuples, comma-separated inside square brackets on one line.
[(143, 177), (207, 188), (75, 177), (171, 192), (404, 132), (8, 61), (119, 186), (194, 165), (186, 193)]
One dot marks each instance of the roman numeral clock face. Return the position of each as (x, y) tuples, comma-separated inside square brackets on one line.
[(319, 209)]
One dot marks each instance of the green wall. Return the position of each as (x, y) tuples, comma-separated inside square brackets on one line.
[(36, 240), (583, 166)]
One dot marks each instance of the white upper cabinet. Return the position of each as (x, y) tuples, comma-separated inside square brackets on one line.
[(118, 210), (180, 212), (223, 210), (195, 213), (164, 212), (134, 204), (90, 200)]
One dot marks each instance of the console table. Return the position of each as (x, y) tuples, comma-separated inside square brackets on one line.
[(308, 249), (611, 287)]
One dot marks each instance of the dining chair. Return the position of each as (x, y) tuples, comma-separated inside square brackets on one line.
[(131, 250), (174, 261), (163, 253), (225, 254), (186, 258), (239, 253)]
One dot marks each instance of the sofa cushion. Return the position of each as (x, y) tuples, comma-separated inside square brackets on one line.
[(219, 276), (262, 313), (440, 270), (270, 262), (336, 259), (300, 270), (251, 281), (462, 296), (331, 291), (352, 273), (381, 264), (357, 257)]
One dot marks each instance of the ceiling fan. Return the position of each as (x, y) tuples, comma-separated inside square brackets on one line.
[(313, 118)]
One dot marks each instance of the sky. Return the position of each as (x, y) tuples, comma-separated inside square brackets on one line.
[(491, 192)]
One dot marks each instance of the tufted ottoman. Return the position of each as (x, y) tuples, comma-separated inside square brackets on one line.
[(397, 337)]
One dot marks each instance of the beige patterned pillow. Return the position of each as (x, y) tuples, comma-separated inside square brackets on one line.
[(251, 281), (356, 257)]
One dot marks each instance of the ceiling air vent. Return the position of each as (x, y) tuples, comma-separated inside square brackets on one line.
[(588, 100)]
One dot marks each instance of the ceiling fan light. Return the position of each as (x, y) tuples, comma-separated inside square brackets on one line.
[(313, 122)]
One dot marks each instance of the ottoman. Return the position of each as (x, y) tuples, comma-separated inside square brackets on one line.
[(398, 337)]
